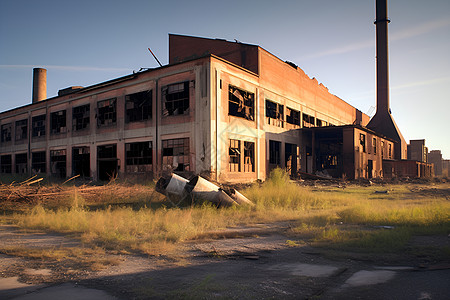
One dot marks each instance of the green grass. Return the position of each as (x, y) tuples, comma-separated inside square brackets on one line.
[(334, 217)]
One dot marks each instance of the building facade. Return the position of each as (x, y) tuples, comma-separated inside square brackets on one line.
[(226, 110)]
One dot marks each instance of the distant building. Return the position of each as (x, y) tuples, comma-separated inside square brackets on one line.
[(445, 167), (435, 157), (417, 151)]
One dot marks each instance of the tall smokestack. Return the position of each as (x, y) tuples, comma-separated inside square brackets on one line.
[(381, 25), (39, 84), (382, 122)]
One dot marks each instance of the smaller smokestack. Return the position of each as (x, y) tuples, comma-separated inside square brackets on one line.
[(39, 84)]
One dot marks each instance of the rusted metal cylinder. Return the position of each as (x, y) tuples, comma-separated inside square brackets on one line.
[(39, 84), (205, 190)]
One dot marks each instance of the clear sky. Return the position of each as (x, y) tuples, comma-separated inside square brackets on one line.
[(88, 42)]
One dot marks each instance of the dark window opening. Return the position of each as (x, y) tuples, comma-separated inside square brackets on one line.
[(274, 152), (6, 132), (235, 155), (362, 141), (6, 164), (58, 122), (58, 163), (106, 112), (308, 121), (21, 163), (139, 157), (374, 144), (175, 154), (292, 116), (390, 151), (107, 162), (21, 129), (39, 162), (275, 113), (321, 123), (38, 126), (249, 157), (241, 103), (138, 106), (81, 164), (80, 117), (176, 99), (382, 149)]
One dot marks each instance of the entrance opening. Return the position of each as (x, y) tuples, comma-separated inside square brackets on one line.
[(58, 163), (369, 168), (81, 164), (107, 161), (290, 156)]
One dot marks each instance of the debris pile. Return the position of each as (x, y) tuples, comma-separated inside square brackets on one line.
[(178, 189)]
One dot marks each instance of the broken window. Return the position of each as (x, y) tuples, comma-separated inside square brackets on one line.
[(58, 122), (58, 163), (374, 145), (21, 129), (139, 157), (6, 164), (38, 162), (274, 152), (81, 161), (328, 161), (241, 103), (235, 155), (249, 157), (382, 149), (80, 117), (292, 116), (138, 106), (38, 125), (6, 132), (274, 113), (106, 112), (362, 141), (176, 154), (176, 99), (21, 163), (321, 123), (390, 151), (308, 121)]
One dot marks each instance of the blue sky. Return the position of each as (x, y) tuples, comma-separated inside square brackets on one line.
[(87, 42)]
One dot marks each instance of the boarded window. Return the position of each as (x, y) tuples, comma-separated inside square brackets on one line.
[(21, 163), (176, 154), (241, 103), (139, 157), (38, 162), (249, 157), (80, 117), (106, 112), (6, 132), (362, 141), (58, 122), (274, 152), (38, 126), (275, 113), (176, 99), (21, 129), (235, 155), (292, 116), (58, 163), (138, 106), (308, 121), (6, 163)]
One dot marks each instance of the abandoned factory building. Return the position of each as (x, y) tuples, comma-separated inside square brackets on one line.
[(227, 110)]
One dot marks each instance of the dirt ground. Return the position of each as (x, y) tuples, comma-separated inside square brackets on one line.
[(252, 263)]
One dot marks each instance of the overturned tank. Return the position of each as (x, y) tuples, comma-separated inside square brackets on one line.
[(198, 189)]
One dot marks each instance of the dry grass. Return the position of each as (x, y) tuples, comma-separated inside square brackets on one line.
[(321, 215)]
